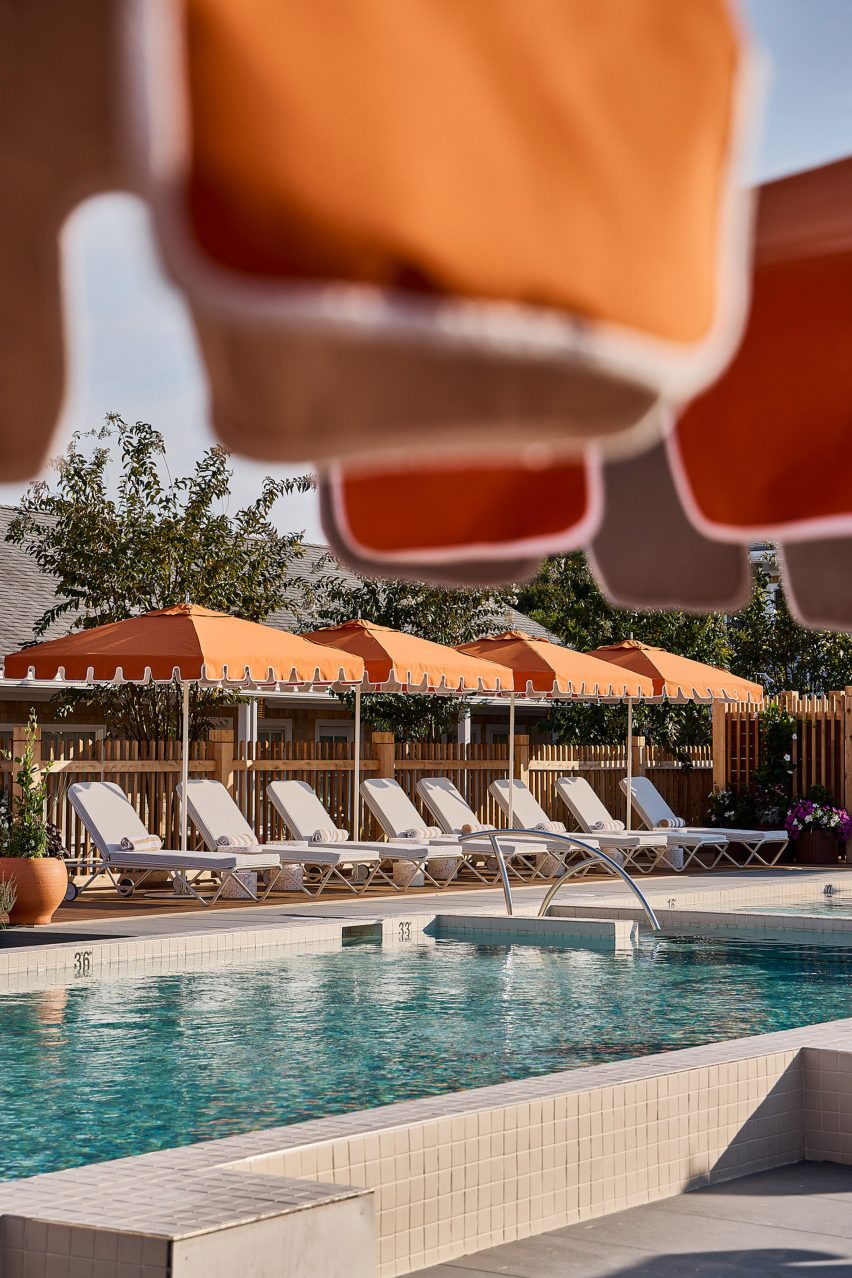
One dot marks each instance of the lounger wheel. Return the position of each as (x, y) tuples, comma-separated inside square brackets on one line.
[(125, 887), (72, 891)]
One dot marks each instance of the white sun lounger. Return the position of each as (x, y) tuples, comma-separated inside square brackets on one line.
[(300, 808), (400, 820), (656, 814), (661, 847), (216, 816), (528, 814), (526, 858), (109, 817)]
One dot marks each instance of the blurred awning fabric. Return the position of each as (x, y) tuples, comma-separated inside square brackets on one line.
[(454, 520), (400, 225), (489, 250), (396, 226), (761, 455), (60, 141)]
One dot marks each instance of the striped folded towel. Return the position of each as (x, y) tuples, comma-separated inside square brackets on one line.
[(473, 827), (607, 827), (552, 827), (672, 823), (335, 835), (236, 841), (142, 843), (422, 833)]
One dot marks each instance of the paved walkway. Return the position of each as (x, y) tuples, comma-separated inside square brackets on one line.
[(789, 1223)]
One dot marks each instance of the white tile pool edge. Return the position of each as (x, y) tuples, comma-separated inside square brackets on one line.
[(430, 1180)]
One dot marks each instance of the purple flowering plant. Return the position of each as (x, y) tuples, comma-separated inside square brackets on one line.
[(805, 815)]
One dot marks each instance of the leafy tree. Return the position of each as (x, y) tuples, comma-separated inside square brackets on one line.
[(444, 616), (767, 642), (122, 536)]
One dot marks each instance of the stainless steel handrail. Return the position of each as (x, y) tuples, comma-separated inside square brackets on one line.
[(595, 857), (493, 837)]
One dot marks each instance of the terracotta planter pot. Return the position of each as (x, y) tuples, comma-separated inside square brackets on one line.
[(817, 847), (41, 883)]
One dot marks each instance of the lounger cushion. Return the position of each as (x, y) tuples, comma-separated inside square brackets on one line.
[(191, 860)]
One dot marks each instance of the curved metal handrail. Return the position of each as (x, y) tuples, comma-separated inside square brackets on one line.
[(595, 857)]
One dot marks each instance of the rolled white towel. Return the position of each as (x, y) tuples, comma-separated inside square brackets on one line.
[(672, 823), (324, 836), (552, 827), (142, 843), (236, 841), (422, 833), (342, 835), (607, 827), (473, 827)]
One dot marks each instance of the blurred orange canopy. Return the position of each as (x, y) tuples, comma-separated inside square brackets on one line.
[(190, 643)]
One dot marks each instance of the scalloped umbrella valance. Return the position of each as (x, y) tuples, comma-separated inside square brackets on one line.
[(190, 645)]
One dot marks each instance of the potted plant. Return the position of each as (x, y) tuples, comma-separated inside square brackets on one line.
[(817, 829), (39, 878)]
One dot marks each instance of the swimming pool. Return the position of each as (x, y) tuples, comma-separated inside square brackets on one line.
[(125, 1064)]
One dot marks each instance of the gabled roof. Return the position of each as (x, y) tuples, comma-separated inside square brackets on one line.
[(26, 592)]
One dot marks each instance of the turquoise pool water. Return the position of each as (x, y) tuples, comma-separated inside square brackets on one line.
[(109, 1067)]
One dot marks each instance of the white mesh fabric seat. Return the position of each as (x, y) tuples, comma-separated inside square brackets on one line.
[(214, 813), (109, 817), (399, 819), (455, 816), (300, 808), (528, 814), (644, 851), (656, 814)]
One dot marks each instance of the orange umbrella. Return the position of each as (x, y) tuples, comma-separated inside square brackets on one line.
[(191, 645), (399, 662), (185, 642), (396, 661), (545, 667), (540, 665), (678, 678)]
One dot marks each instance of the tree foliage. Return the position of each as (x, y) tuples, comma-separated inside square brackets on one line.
[(444, 616), (769, 644), (121, 536)]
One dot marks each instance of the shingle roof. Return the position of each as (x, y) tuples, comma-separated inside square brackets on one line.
[(26, 592)]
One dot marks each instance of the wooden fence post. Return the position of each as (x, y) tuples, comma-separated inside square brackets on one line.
[(222, 756), (522, 758), (846, 791), (638, 756), (720, 753), (384, 745)]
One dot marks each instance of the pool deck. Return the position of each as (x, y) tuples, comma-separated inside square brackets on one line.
[(788, 1221)]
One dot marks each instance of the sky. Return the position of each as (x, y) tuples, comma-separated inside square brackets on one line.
[(132, 347)]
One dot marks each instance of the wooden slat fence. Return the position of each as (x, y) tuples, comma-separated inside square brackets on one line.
[(148, 772), (684, 786), (822, 748)]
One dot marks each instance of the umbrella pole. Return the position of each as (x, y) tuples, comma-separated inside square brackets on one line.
[(629, 814), (511, 760), (184, 767), (356, 796)]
